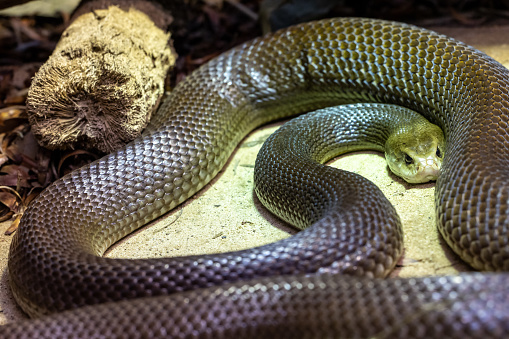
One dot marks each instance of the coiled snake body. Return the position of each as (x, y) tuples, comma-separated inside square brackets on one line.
[(55, 261)]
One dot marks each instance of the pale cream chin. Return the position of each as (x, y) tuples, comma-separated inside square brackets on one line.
[(426, 170)]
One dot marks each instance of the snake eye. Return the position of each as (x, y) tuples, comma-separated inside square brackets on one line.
[(408, 159), (439, 153)]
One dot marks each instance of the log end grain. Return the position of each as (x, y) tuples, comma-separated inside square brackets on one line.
[(99, 87)]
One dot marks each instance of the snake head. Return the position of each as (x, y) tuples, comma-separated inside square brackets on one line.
[(415, 152)]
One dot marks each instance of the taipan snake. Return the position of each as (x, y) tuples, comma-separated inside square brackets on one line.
[(298, 290)]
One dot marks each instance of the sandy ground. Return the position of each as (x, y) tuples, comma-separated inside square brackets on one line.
[(226, 215)]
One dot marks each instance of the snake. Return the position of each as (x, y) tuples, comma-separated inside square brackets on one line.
[(326, 281)]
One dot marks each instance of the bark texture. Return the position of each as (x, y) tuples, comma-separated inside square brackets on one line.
[(100, 86)]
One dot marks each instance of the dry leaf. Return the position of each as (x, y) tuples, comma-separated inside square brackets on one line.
[(14, 225), (10, 200)]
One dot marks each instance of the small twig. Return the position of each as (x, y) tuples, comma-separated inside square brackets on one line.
[(243, 8)]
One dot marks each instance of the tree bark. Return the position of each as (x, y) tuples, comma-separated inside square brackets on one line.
[(98, 89)]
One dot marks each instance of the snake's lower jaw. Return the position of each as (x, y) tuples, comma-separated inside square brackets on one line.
[(422, 170), (425, 176), (426, 170)]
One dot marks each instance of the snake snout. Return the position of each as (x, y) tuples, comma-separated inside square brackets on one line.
[(427, 169)]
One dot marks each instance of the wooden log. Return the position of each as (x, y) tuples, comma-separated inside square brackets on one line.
[(106, 76)]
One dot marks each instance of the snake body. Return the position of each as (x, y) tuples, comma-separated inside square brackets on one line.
[(55, 260)]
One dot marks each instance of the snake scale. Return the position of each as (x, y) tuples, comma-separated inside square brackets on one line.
[(55, 260)]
